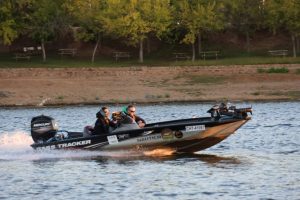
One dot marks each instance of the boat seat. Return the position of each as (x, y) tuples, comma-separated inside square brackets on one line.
[(125, 127)]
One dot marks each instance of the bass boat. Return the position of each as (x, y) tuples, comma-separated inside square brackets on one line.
[(179, 136)]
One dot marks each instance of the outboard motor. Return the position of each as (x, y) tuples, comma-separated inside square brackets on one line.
[(43, 128)]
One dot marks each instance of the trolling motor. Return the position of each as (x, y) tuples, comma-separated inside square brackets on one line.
[(223, 109)]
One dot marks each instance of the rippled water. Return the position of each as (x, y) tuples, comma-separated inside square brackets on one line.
[(260, 161)]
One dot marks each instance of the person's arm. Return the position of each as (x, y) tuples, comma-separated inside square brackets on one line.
[(137, 118), (140, 121), (113, 123)]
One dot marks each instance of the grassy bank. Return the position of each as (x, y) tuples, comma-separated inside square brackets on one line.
[(7, 61)]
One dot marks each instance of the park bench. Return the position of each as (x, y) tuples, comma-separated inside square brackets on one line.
[(209, 54), (282, 53), (22, 55), (181, 56), (118, 55), (71, 52)]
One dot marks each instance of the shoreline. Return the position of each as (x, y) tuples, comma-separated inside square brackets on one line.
[(148, 103), (40, 87)]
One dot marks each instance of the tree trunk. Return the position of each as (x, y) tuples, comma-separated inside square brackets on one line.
[(294, 45), (199, 44), (43, 50), (141, 55), (247, 42), (194, 52), (96, 47)]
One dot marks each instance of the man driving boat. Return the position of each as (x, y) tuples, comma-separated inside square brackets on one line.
[(130, 111)]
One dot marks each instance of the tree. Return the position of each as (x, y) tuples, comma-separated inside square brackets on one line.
[(136, 19), (284, 14), (89, 19), (45, 20), (11, 19), (198, 17), (245, 16)]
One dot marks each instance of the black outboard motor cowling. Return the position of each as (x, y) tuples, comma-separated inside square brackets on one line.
[(43, 128)]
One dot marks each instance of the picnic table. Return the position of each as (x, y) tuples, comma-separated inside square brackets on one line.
[(181, 56), (33, 50), (22, 55), (206, 54), (27, 53), (120, 54), (281, 52), (71, 52)]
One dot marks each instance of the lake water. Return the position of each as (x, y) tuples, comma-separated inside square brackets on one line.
[(260, 161)]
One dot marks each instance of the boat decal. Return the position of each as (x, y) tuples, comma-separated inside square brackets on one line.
[(112, 139), (167, 135), (178, 134), (41, 124), (46, 147), (149, 138), (73, 144), (195, 128), (65, 145), (96, 145)]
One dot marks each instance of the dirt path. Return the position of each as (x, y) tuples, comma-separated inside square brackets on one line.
[(40, 86)]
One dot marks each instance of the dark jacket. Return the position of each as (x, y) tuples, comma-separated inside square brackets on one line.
[(137, 119), (102, 126)]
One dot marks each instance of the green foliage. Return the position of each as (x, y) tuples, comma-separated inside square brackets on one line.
[(135, 20), (7, 31), (46, 20), (244, 15), (198, 17), (60, 97), (283, 14), (132, 21), (273, 70), (88, 18), (11, 15)]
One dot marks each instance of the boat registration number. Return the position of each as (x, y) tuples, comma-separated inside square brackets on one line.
[(195, 128), (112, 139)]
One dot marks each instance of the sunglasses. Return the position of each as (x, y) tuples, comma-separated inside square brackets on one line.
[(132, 111)]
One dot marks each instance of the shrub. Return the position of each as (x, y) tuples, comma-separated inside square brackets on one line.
[(60, 97), (273, 70), (278, 70)]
